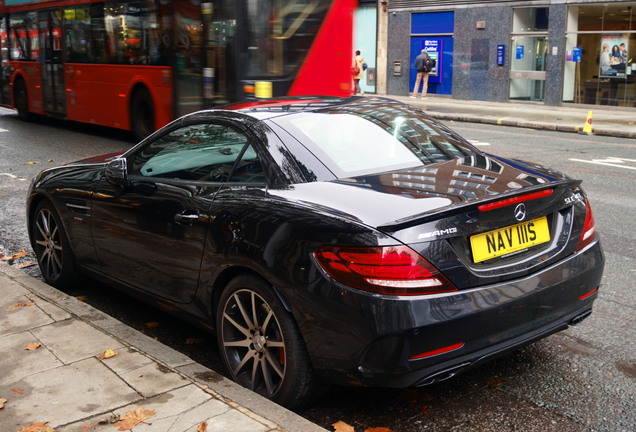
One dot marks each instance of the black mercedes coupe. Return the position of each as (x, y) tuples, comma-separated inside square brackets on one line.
[(352, 241)]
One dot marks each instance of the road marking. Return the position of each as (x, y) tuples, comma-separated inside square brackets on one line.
[(478, 143), (12, 176), (609, 161)]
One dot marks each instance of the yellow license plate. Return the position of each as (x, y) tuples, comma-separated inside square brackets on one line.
[(510, 239)]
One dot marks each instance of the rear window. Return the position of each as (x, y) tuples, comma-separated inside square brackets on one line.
[(374, 138)]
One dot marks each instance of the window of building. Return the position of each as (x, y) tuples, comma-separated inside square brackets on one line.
[(529, 49), (600, 46)]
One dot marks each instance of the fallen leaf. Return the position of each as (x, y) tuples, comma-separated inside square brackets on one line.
[(32, 163), (378, 429), (203, 427), (37, 427), (33, 346), (17, 390), (107, 354), (192, 341), (341, 426), (152, 324), (51, 160), (133, 418), (495, 382), (20, 254), (3, 401), (81, 298), (89, 427), (25, 265), (19, 305)]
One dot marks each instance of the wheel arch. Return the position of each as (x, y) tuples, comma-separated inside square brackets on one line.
[(139, 84), (18, 77), (34, 201), (230, 273)]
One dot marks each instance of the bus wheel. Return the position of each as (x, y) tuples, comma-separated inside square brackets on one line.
[(142, 114), (21, 99)]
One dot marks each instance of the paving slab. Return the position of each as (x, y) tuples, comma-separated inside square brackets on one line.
[(22, 317), (64, 394), (72, 340), (17, 363)]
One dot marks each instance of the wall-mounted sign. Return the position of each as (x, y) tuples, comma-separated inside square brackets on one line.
[(501, 55)]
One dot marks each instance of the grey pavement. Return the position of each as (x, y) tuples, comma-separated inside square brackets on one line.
[(64, 383), (614, 121)]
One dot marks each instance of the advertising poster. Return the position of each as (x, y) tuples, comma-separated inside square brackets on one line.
[(613, 61)]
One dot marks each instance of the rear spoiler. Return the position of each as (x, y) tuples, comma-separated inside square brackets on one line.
[(463, 206)]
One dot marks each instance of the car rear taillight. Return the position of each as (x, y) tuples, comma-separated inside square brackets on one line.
[(589, 229), (394, 270)]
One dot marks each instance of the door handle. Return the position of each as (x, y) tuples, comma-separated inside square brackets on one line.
[(186, 217)]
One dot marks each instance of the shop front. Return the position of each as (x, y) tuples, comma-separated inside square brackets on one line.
[(543, 52), (600, 47)]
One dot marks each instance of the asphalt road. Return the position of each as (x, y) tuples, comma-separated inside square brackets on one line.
[(582, 379)]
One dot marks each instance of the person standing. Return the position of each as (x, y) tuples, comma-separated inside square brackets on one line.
[(422, 74), (358, 62)]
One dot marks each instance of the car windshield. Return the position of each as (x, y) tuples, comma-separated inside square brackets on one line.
[(370, 138)]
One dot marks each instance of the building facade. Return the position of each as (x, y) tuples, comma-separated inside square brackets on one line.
[(548, 52)]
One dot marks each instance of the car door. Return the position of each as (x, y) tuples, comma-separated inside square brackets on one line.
[(151, 234)]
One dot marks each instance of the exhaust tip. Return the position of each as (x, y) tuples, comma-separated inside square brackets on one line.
[(577, 319)]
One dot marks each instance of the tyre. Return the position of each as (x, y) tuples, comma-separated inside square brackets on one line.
[(260, 344), (51, 246), (21, 99), (142, 114)]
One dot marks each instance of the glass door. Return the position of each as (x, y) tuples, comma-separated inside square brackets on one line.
[(529, 53), (51, 60), (527, 71)]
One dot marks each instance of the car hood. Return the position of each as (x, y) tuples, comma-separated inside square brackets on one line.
[(405, 197), (97, 159)]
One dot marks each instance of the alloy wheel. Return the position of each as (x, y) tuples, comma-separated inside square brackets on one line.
[(253, 342), (48, 244)]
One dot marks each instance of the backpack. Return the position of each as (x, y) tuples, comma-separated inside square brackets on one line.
[(429, 64)]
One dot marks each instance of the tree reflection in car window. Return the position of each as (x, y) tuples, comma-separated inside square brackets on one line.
[(203, 152)]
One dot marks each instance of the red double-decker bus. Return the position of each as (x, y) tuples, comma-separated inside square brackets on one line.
[(137, 64)]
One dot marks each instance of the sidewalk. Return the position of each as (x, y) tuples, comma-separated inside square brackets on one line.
[(610, 121), (65, 384)]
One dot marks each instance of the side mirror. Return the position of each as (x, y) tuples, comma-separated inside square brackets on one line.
[(117, 172)]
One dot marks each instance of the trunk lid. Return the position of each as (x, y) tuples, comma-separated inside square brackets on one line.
[(463, 215)]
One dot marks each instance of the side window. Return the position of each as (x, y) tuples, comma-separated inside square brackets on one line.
[(203, 152), (249, 168)]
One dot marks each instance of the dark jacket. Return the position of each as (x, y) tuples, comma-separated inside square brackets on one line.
[(419, 62)]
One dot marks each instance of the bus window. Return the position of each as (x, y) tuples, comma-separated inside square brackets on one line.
[(5, 71), (189, 54), (280, 34), (24, 36), (115, 33), (77, 25)]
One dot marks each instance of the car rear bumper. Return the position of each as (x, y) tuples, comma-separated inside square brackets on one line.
[(406, 338)]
